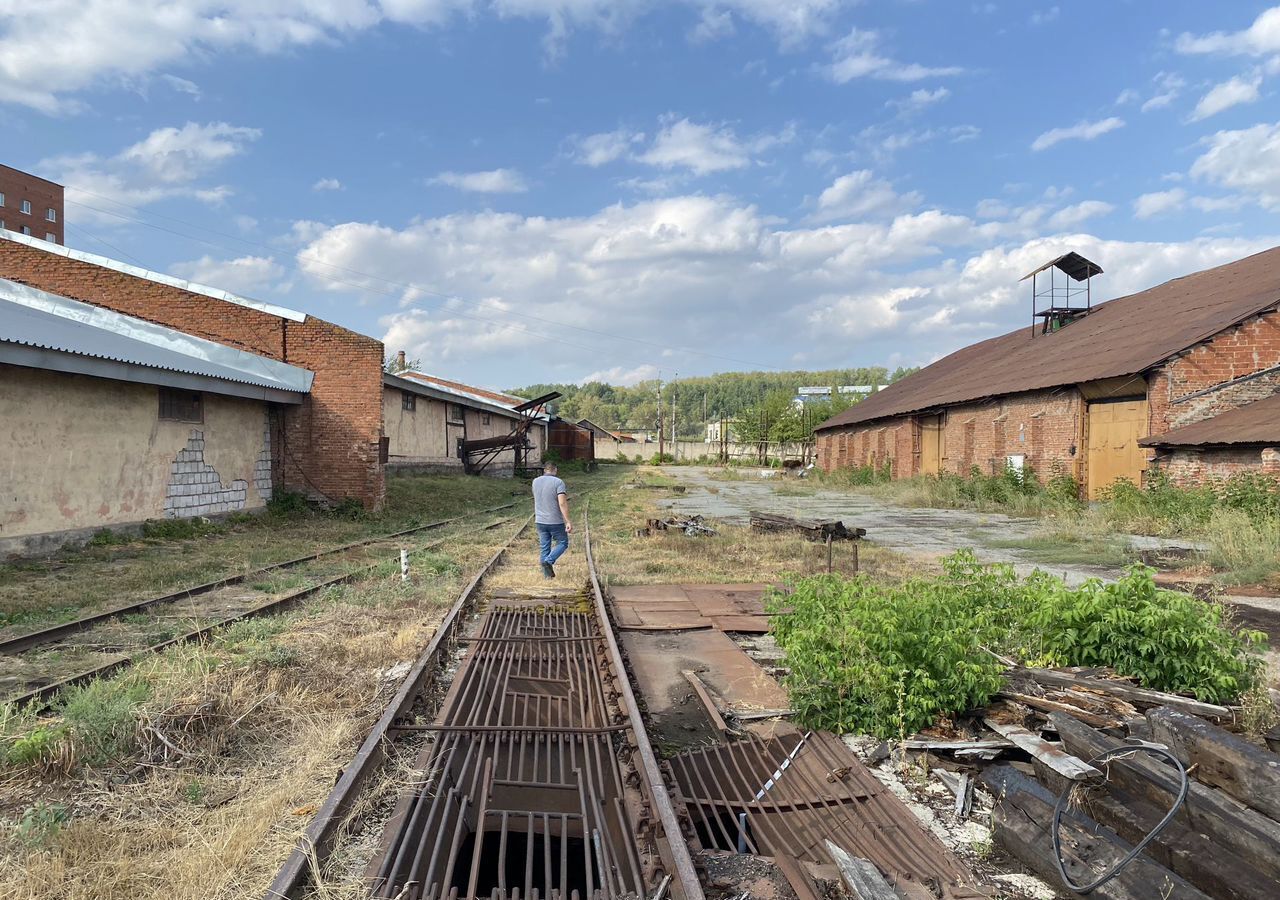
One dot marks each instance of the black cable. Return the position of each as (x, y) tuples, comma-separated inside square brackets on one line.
[(1138, 848)]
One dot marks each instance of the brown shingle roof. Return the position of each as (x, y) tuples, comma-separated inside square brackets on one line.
[(1121, 337), (1254, 423)]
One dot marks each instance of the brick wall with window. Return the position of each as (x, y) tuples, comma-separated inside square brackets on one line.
[(31, 205), (329, 445)]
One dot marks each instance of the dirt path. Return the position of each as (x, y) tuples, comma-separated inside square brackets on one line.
[(925, 532)]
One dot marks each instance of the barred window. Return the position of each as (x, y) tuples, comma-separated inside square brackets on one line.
[(181, 406), (456, 413), (408, 402)]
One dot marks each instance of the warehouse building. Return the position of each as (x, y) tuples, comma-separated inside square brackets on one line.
[(110, 420), (1096, 391), (436, 425), (327, 444)]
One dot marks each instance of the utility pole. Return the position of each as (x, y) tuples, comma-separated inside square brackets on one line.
[(675, 437), (660, 417)]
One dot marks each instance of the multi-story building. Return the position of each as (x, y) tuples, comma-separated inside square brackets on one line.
[(30, 205)]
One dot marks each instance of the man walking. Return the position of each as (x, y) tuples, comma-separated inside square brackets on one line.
[(551, 515)]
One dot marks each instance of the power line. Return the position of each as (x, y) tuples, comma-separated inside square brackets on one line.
[(392, 282)]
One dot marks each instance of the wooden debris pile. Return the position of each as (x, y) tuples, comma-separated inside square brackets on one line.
[(693, 526), (824, 530), (1147, 785)]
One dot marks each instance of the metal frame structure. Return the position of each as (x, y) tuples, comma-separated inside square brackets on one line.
[(476, 455)]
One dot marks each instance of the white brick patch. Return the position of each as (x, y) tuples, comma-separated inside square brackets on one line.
[(195, 488)]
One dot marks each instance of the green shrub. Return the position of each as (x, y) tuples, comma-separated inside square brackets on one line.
[(890, 659), (179, 529), (37, 748), (288, 505), (41, 823), (101, 718), (659, 459)]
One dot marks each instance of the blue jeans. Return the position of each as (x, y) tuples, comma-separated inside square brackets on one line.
[(553, 540)]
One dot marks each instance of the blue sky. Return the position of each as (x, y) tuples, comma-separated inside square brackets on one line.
[(520, 191)]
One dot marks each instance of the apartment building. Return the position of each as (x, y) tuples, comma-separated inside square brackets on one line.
[(31, 205)]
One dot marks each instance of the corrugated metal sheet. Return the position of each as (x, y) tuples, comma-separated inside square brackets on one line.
[(116, 265), (35, 318), (1254, 423), (439, 391), (1121, 337)]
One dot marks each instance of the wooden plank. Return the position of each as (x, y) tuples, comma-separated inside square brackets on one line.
[(1226, 821), (707, 701), (1215, 870), (798, 877), (952, 746), (1136, 695), (861, 878), (1044, 704), (1051, 755), (1023, 818), (1248, 773)]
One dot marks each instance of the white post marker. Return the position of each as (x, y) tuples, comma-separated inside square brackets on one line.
[(404, 564)]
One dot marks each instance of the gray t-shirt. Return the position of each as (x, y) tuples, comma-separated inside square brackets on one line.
[(546, 500)]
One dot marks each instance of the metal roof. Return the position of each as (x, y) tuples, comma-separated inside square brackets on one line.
[(1125, 336), (116, 265), (1254, 423), (440, 391), (78, 333), (1073, 264)]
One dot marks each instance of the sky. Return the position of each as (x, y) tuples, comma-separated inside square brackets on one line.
[(532, 191)]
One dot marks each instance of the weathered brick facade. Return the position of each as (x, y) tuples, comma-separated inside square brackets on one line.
[(1237, 366), (1191, 465), (330, 444)]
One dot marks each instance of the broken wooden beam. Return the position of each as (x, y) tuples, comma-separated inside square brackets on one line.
[(708, 702), (832, 529), (1221, 759), (953, 746), (1226, 821), (1214, 869), (1051, 755), (1048, 705), (1023, 820), (862, 879), (1138, 696)]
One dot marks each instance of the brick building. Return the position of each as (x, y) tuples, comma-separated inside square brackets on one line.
[(1081, 396), (327, 445), (31, 205)]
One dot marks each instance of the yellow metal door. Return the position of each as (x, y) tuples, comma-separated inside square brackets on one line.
[(931, 445), (1115, 427)]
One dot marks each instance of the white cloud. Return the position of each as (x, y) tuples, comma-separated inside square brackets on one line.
[(860, 195), (1127, 96), (920, 99), (704, 149), (1045, 16), (1081, 131), (1247, 161), (1259, 39), (52, 50), (168, 162), (491, 181), (621, 375), (1079, 213), (1232, 92), (858, 55), (708, 272), (596, 150), (1169, 87), (1159, 203), (327, 184), (248, 275), (182, 85)]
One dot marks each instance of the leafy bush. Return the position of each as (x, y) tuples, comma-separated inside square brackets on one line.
[(659, 459), (41, 823), (890, 659), (101, 718)]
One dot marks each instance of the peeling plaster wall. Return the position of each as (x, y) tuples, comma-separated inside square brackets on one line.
[(79, 452)]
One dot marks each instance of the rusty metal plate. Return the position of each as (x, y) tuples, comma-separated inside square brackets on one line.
[(667, 607), (786, 796)]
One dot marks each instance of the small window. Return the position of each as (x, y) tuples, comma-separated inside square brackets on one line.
[(484, 418), (408, 402), (51, 237), (1, 198), (26, 229), (456, 413), (180, 406), (51, 215), (26, 207)]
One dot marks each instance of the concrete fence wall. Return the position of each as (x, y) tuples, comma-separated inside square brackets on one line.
[(690, 450)]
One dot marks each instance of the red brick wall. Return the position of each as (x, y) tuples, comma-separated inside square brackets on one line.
[(17, 186), (330, 443), (1249, 348), (1195, 466)]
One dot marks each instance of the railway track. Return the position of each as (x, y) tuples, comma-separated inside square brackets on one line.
[(35, 666), (534, 778)]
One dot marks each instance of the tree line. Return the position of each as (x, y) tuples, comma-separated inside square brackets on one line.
[(757, 404)]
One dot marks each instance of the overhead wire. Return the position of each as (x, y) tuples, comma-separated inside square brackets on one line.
[(401, 285)]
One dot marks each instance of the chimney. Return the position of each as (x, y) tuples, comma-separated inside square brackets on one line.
[(400, 363)]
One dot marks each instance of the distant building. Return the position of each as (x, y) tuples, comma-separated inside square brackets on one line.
[(713, 433), (30, 205), (807, 395)]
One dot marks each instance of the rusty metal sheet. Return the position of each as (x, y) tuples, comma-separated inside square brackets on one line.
[(1254, 423), (745, 624), (1121, 337), (666, 607), (798, 792)]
